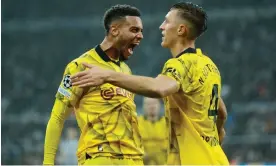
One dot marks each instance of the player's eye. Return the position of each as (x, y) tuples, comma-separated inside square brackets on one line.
[(134, 30)]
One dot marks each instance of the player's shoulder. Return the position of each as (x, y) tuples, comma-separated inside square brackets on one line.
[(207, 59), (192, 58), (173, 62), (88, 57), (177, 63), (203, 56), (184, 57)]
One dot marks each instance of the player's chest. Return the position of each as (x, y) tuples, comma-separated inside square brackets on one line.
[(116, 66), (107, 93)]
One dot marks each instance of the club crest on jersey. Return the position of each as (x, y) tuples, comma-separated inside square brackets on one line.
[(67, 81)]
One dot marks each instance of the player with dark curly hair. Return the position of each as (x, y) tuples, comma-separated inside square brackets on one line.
[(106, 114)]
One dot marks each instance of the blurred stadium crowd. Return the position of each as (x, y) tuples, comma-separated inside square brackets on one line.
[(40, 37)]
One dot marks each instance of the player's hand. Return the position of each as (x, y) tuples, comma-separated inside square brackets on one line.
[(222, 134), (95, 76)]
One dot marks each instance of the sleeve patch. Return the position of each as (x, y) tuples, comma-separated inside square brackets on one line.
[(64, 92), (67, 81)]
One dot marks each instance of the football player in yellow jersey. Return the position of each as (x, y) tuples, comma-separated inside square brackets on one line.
[(106, 114), (153, 131), (190, 84)]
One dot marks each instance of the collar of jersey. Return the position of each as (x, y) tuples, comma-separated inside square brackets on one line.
[(103, 55), (188, 50)]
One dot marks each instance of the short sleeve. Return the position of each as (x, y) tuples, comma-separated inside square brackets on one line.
[(67, 93), (176, 69)]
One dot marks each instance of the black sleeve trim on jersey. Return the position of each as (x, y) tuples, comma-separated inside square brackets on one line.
[(188, 50)]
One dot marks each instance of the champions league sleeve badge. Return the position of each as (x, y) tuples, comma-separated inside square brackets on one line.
[(67, 81)]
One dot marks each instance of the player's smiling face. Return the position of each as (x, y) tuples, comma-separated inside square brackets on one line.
[(169, 29), (130, 35)]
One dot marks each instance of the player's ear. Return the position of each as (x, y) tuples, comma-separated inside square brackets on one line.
[(182, 30), (114, 30)]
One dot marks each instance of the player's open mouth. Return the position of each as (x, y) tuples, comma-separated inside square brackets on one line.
[(131, 48)]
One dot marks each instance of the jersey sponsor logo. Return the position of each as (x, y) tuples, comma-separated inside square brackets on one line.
[(64, 92), (67, 81), (109, 93)]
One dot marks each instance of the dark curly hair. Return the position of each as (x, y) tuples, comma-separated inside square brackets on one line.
[(118, 12)]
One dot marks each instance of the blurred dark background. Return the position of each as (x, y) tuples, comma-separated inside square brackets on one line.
[(40, 37)]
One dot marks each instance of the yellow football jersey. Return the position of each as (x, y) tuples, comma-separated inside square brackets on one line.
[(155, 139), (192, 111), (106, 115)]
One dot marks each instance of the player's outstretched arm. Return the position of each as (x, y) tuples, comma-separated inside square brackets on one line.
[(53, 132), (222, 117), (158, 87)]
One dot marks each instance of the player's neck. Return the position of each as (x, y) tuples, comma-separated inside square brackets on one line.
[(181, 46), (108, 47)]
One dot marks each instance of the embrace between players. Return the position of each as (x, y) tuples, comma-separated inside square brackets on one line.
[(99, 86)]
